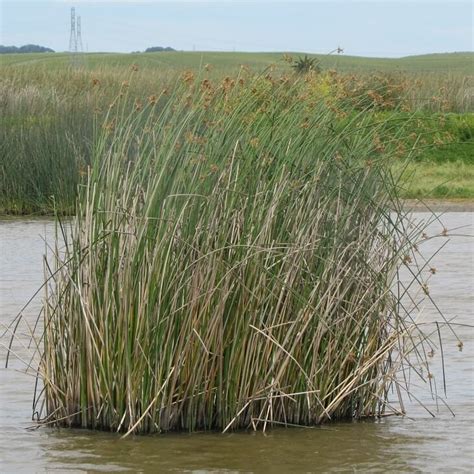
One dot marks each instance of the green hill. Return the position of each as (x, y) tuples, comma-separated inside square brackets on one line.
[(459, 63)]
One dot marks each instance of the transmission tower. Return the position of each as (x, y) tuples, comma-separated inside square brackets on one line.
[(73, 37), (78, 36)]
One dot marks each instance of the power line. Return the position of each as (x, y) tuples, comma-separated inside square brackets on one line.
[(79, 35)]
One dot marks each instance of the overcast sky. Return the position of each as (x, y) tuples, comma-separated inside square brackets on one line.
[(369, 28)]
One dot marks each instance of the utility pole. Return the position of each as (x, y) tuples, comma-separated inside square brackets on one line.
[(73, 37)]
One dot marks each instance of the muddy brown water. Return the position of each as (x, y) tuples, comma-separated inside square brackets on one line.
[(415, 443)]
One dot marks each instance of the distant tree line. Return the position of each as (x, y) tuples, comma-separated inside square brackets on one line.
[(27, 48), (155, 49)]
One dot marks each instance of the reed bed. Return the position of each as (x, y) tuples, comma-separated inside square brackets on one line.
[(49, 111), (231, 264), (448, 92)]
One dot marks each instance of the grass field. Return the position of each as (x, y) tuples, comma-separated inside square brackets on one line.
[(51, 111), (455, 63)]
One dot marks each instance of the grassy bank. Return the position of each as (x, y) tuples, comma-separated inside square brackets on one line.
[(231, 265), (51, 114), (442, 164)]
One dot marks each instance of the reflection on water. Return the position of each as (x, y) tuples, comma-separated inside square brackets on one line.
[(397, 444)]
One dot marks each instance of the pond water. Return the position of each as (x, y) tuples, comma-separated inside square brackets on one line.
[(415, 443)]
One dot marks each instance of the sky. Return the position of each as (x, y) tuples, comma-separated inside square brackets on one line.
[(363, 28)]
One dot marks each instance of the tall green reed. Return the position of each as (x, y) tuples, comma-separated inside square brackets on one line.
[(231, 264)]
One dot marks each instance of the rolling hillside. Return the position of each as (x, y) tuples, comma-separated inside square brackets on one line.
[(459, 63)]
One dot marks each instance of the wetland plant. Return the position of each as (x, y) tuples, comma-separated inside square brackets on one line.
[(231, 264), (304, 65), (48, 116)]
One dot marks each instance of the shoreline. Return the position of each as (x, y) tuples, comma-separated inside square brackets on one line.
[(438, 205), (413, 205)]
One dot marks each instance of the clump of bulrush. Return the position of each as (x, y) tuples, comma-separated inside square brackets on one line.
[(209, 286)]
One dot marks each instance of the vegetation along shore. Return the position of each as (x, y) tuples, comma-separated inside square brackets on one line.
[(52, 110)]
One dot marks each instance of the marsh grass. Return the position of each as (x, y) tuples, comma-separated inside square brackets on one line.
[(231, 264), (448, 92), (46, 133), (49, 114), (44, 146)]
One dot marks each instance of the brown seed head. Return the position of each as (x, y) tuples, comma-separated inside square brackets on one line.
[(206, 85), (188, 77)]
